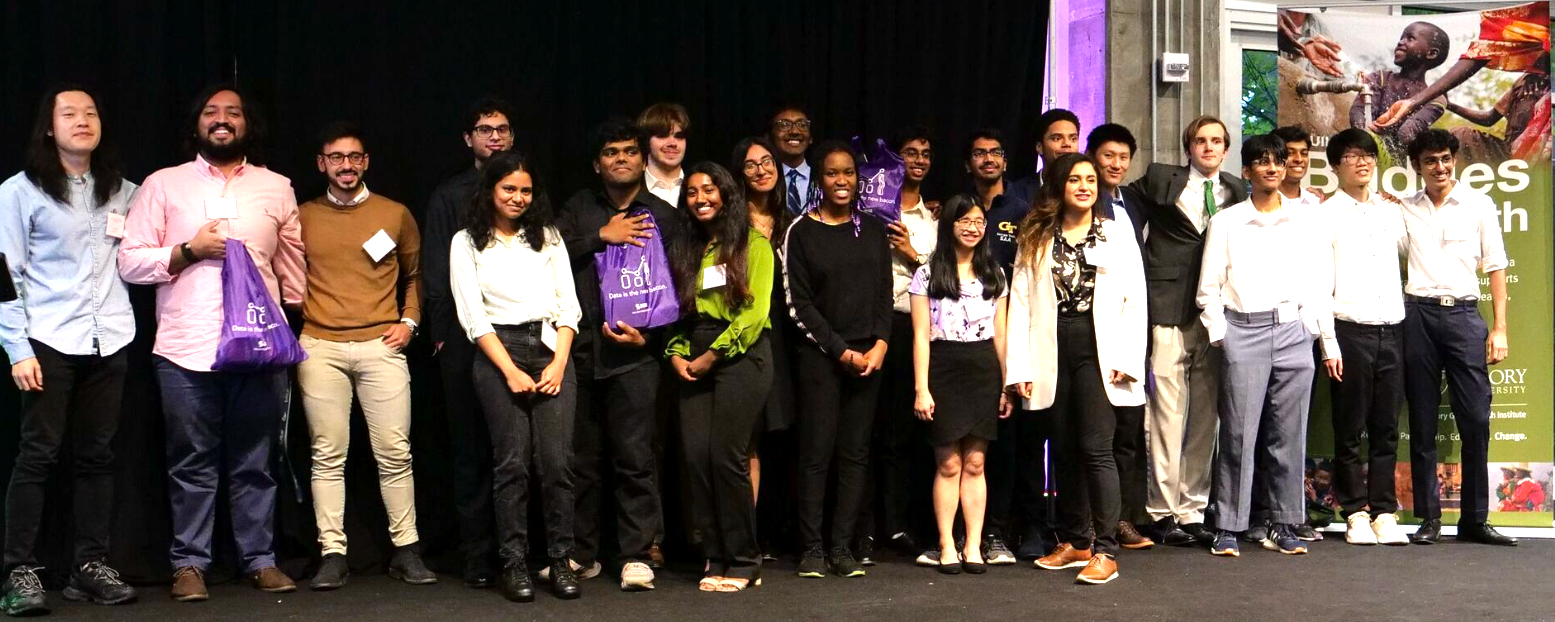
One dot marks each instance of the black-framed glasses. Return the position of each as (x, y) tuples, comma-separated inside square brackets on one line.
[(356, 157), (765, 162), (978, 154), (911, 153), (784, 125), (485, 131), (1357, 158)]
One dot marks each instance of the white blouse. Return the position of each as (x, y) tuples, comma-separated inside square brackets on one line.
[(510, 283)]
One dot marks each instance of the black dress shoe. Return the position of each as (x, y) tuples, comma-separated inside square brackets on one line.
[(1429, 532), (974, 567), (1483, 533), (563, 581), (516, 584), (406, 565), (1172, 535), (1201, 534), (332, 573)]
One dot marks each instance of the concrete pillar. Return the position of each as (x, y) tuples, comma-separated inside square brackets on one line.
[(1192, 27)]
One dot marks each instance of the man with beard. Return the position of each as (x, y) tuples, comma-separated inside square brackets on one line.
[(618, 374), (220, 425), (666, 125), (1058, 133), (360, 313), (790, 133), (487, 130)]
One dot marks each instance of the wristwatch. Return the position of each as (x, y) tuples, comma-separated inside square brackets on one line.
[(188, 253)]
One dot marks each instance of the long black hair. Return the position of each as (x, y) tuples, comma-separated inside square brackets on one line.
[(944, 277), (532, 224), (729, 229), (43, 167), (777, 201), (254, 136)]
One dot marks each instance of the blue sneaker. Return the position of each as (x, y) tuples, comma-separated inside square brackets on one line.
[(1283, 538), (1225, 545)]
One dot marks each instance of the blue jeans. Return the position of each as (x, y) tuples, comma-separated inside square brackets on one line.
[(220, 422)]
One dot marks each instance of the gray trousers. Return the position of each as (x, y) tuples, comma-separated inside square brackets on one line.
[(1265, 389)]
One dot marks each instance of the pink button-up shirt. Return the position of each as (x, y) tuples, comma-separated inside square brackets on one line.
[(169, 210)]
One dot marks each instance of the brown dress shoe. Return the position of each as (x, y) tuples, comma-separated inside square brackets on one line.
[(1101, 570), (1064, 556), (189, 585), (1130, 538), (272, 580)]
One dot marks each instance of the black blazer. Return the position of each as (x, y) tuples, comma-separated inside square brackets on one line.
[(1174, 250)]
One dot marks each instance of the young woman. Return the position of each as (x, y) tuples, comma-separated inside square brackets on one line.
[(512, 286), (723, 270), (1076, 348), (958, 308), (837, 272)]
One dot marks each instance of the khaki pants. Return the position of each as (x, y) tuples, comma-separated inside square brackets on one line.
[(380, 380), (1182, 421)]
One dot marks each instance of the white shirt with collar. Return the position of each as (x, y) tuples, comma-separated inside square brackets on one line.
[(1191, 201), (361, 195), (666, 189), (1448, 244), (1252, 263), (1305, 197), (485, 292), (923, 234), (1366, 240)]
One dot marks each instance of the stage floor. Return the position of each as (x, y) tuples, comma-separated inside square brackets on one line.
[(1448, 581)]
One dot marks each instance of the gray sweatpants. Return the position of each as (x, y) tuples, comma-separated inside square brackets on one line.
[(1265, 388)]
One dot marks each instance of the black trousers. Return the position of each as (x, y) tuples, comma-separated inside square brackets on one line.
[(1128, 450), (836, 412), (899, 448), (472, 460), (618, 411), (1452, 340), (718, 416), (1017, 473), (79, 406), (1088, 496), (1367, 402)]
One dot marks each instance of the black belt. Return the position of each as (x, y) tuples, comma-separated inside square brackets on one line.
[(1442, 301)]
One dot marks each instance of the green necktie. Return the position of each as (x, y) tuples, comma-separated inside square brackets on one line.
[(1209, 200)]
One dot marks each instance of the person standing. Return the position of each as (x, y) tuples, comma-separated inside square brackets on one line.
[(789, 131), (666, 125), (1058, 133)]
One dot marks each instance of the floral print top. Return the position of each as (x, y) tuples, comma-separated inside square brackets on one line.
[(1074, 280), (968, 318)]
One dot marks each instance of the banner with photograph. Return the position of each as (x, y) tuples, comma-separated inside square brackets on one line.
[(1342, 70)]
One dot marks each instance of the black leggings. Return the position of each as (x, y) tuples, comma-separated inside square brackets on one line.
[(1088, 495), (836, 414)]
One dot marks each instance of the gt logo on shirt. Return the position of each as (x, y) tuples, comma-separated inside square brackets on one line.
[(1008, 227)]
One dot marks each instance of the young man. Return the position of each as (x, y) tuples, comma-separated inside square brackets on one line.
[(618, 373), (897, 441), (1454, 235), (360, 312), (666, 125), (220, 425), (789, 131), (1058, 132), (1298, 144), (1262, 310), (61, 220), (487, 130), (1364, 356), (1113, 147), (1180, 201)]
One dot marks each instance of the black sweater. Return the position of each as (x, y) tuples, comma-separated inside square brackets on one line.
[(838, 284)]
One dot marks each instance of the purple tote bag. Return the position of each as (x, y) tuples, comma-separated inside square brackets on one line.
[(635, 283), (254, 334), (880, 181)]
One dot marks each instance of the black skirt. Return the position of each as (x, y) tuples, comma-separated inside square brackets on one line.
[(965, 381)]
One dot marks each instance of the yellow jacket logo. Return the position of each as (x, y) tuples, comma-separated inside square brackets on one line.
[(1008, 227)]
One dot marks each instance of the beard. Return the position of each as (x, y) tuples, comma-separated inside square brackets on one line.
[(229, 152)]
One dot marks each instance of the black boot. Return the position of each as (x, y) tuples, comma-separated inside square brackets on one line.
[(516, 584), (94, 581), (406, 565), (332, 573), (563, 581)]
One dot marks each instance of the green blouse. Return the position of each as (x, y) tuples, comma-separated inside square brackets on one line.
[(746, 323)]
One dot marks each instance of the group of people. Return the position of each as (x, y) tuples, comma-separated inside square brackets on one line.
[(1032, 330)]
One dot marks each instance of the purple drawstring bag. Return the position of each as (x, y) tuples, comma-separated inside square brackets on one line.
[(635, 283), (254, 334), (880, 181)]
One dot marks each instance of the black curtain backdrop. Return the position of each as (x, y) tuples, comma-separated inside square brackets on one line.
[(407, 72)]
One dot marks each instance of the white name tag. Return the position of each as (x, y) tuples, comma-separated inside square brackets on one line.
[(1097, 257), (548, 334), (221, 207), (116, 225), (1287, 312), (713, 276), (378, 245)]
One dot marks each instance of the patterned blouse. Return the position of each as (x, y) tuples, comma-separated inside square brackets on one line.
[(967, 318), (1074, 281)]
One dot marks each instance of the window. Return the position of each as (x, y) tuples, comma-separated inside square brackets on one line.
[(1260, 91)]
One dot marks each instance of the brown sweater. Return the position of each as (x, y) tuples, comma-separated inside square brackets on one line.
[(351, 297)]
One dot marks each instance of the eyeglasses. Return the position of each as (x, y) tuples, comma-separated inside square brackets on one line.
[(485, 131), (765, 162), (978, 154), (1357, 158), (1266, 162), (784, 125), (356, 157), (1432, 161), (971, 223), (910, 154)]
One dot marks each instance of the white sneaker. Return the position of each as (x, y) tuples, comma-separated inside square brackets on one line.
[(1387, 530), (1360, 531), (636, 577)]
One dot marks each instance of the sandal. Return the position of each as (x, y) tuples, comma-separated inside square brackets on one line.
[(710, 584), (732, 584)]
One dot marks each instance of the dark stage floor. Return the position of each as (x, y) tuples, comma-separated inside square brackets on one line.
[(1449, 581)]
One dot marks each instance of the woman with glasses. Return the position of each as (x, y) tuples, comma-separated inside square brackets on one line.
[(1076, 349), (958, 317), (837, 271)]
